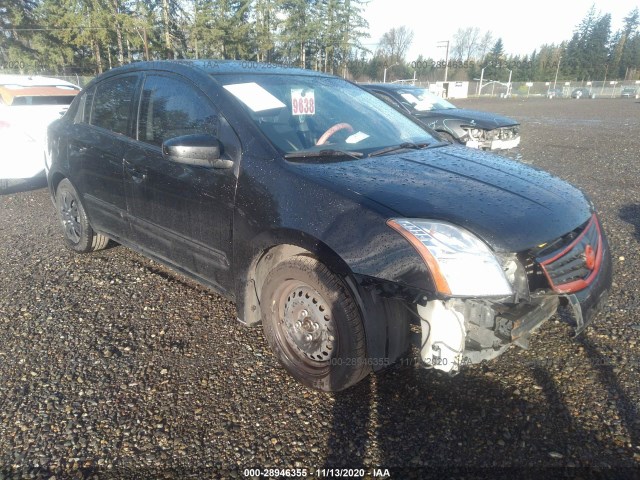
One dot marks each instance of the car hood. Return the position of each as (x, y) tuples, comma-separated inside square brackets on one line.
[(511, 206), (484, 120)]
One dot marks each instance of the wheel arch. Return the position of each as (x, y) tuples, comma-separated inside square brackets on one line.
[(56, 178), (386, 320), (269, 250)]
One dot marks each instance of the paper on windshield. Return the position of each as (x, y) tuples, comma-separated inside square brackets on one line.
[(420, 105), (254, 96), (356, 137)]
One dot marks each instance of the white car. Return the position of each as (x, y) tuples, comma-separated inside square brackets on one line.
[(27, 106)]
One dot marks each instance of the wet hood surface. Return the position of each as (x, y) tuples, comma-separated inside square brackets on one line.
[(485, 120), (508, 204)]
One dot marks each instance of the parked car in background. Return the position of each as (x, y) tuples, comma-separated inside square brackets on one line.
[(630, 92), (555, 93), (341, 225), (473, 128), (582, 92), (28, 104)]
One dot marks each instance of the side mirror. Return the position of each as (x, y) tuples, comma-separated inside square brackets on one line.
[(200, 150)]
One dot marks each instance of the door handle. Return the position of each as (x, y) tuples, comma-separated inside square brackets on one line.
[(136, 175)]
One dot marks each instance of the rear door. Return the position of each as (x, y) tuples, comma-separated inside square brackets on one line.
[(180, 213), (96, 149)]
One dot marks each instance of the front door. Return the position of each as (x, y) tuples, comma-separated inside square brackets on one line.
[(182, 214)]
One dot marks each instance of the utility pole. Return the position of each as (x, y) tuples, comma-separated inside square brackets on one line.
[(606, 70), (557, 70), (445, 43), (481, 79)]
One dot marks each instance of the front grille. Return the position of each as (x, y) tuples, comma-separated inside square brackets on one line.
[(574, 266)]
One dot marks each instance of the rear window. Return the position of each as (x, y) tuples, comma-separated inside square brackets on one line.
[(112, 104), (43, 100)]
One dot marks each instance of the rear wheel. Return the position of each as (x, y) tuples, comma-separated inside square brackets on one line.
[(313, 325), (78, 234)]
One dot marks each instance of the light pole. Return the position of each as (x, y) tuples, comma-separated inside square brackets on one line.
[(445, 43), (509, 84), (481, 79), (384, 77), (606, 70), (556, 80)]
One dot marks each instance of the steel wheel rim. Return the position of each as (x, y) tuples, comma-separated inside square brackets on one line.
[(305, 323), (70, 216)]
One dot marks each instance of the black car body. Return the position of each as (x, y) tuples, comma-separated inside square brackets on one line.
[(473, 128), (326, 215)]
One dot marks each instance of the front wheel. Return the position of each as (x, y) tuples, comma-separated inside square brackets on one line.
[(313, 325), (78, 234)]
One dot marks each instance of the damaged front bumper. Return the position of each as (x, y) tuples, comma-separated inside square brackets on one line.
[(459, 331)]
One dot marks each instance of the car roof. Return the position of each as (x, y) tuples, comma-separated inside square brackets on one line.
[(390, 86), (33, 81), (215, 66)]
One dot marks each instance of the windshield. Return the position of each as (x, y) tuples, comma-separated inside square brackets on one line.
[(422, 100), (300, 113)]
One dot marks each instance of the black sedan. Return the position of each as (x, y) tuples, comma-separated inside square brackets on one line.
[(336, 222), (487, 131)]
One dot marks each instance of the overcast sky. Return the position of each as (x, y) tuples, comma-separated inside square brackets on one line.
[(523, 26)]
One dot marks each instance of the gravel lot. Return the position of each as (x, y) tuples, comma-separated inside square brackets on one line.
[(113, 366)]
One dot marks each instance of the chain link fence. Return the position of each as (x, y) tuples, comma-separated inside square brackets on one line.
[(598, 89), (560, 89)]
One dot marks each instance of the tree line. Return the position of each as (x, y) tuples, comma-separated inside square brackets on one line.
[(594, 52), (88, 36)]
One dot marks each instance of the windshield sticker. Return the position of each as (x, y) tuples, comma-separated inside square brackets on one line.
[(254, 96), (356, 137), (423, 105), (418, 104), (303, 102), (410, 98)]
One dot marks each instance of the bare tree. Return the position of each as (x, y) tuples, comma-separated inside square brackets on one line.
[(485, 45), (470, 44), (466, 42), (395, 43)]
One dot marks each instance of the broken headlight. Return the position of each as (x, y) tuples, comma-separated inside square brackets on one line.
[(474, 133), (460, 263)]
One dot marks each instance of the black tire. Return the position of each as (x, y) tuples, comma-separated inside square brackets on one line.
[(447, 137), (78, 234), (335, 358)]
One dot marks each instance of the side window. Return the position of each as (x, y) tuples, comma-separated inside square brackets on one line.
[(171, 108), (82, 106), (112, 104)]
